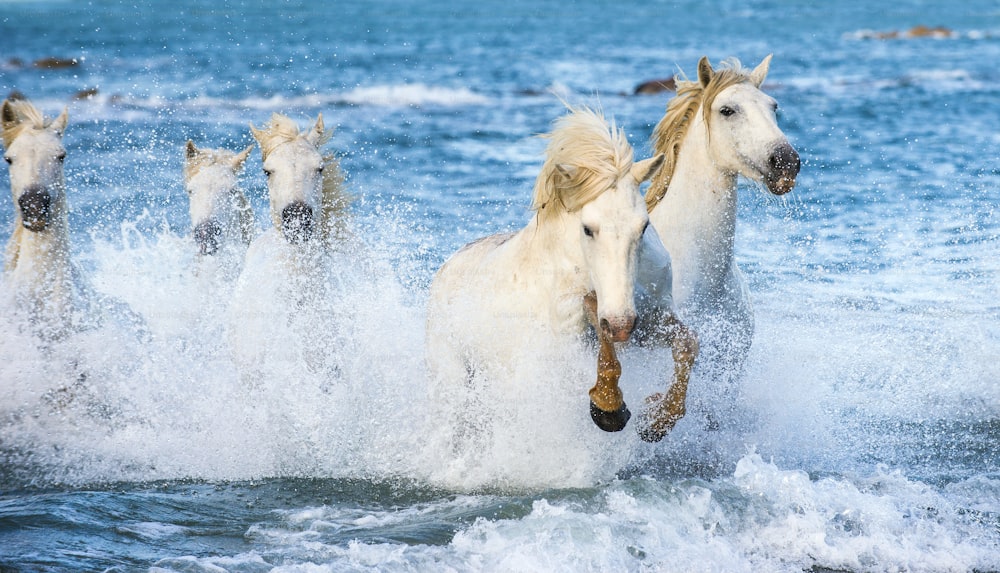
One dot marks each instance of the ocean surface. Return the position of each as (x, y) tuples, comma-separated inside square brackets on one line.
[(866, 438)]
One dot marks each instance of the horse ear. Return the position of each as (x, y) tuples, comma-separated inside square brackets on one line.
[(8, 115), (257, 133), (705, 71), (242, 157), (316, 135), (190, 150), (566, 171), (760, 72), (59, 124), (644, 170)]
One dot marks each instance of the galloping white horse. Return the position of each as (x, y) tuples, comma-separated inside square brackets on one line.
[(574, 263), (220, 213), (286, 277), (37, 264), (38, 269), (715, 129)]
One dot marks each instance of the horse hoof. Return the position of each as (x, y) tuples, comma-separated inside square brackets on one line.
[(610, 421), (648, 433)]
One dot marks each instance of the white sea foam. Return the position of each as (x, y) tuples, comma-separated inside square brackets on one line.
[(759, 518)]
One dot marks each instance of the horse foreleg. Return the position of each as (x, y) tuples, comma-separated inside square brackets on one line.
[(607, 406), (664, 411)]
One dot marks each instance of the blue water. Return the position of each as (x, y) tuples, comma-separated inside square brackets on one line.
[(867, 439)]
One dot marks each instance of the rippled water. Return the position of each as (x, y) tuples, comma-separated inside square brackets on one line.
[(866, 439)]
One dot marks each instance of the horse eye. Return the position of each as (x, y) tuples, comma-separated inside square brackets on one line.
[(61, 157), (319, 169), (726, 111), (588, 231), (8, 159), (267, 172)]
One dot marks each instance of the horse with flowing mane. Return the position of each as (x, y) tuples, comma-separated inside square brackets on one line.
[(572, 267), (715, 129)]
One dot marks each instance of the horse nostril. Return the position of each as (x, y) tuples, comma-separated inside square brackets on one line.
[(784, 166), (207, 235), (35, 205), (606, 326), (785, 160), (297, 222), (618, 329)]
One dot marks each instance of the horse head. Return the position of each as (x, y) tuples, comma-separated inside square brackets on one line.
[(219, 210), (294, 168), (743, 133), (34, 151), (611, 228), (590, 180)]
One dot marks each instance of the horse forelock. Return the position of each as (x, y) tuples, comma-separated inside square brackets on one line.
[(29, 118), (669, 133), (597, 154), (205, 158), (282, 130)]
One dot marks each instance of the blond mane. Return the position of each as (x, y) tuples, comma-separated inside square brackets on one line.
[(29, 116), (673, 127), (585, 156), (335, 198)]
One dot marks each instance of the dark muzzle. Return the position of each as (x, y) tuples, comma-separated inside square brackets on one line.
[(297, 222), (36, 208), (783, 168), (207, 234)]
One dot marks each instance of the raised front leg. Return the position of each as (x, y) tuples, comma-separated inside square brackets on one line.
[(664, 411), (607, 407)]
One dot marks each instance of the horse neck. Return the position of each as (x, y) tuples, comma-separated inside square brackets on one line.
[(41, 255), (697, 216), (551, 245)]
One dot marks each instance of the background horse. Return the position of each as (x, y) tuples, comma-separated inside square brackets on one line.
[(574, 263), (715, 129), (37, 265), (287, 280), (305, 187), (220, 213)]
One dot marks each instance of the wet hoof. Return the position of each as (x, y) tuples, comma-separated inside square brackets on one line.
[(610, 421), (650, 433), (654, 424)]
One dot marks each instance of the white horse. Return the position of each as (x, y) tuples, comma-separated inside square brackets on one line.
[(38, 269), (37, 265), (715, 129), (575, 263), (286, 278), (221, 217), (305, 186)]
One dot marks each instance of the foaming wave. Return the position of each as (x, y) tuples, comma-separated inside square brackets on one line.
[(412, 95), (759, 517), (133, 107)]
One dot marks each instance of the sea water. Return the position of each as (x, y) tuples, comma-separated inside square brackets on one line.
[(865, 438)]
